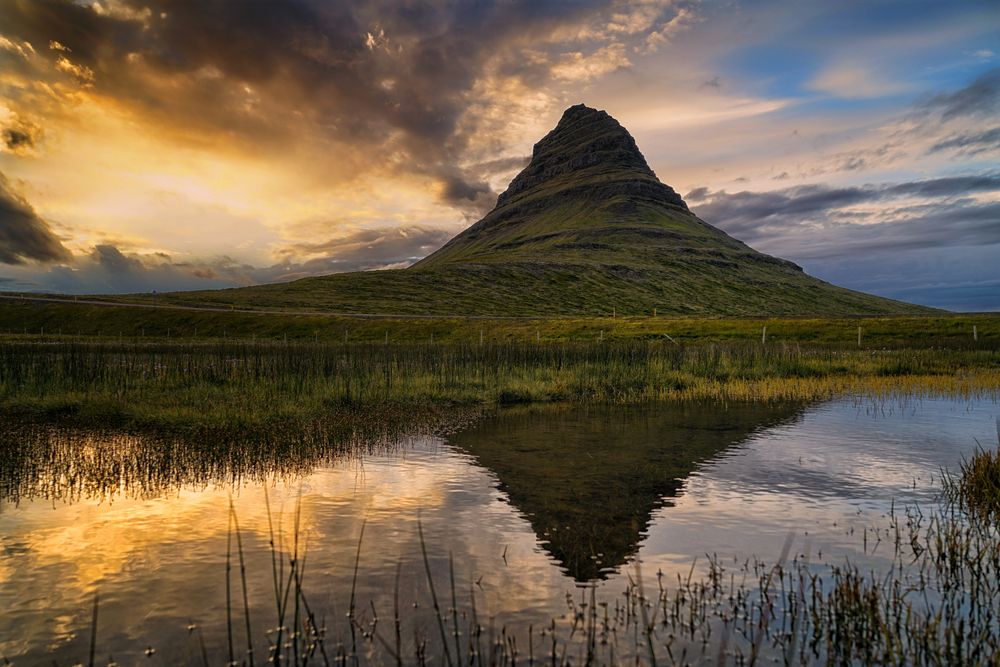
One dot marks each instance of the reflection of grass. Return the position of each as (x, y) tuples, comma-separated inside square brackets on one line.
[(69, 465), (240, 386)]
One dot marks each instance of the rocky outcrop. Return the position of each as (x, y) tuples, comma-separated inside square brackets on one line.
[(584, 138)]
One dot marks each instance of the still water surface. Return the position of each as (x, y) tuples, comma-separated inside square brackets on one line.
[(530, 505)]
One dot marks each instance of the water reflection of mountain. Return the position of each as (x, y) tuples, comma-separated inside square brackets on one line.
[(589, 478)]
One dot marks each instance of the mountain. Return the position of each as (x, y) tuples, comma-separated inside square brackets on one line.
[(585, 229)]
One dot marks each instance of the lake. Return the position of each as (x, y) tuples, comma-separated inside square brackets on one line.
[(535, 513)]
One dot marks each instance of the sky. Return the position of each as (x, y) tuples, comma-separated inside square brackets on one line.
[(174, 144)]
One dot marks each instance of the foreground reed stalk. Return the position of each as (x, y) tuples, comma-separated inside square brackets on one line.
[(937, 606), (937, 602)]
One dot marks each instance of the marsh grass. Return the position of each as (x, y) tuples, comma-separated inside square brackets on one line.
[(976, 488), (936, 603), (251, 389)]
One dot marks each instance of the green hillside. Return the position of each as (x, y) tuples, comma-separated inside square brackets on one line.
[(585, 229)]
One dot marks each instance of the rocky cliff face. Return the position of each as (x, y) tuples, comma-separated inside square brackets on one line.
[(587, 142)]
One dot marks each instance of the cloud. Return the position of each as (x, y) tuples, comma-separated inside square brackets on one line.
[(81, 72), (17, 135), (112, 260), (956, 124), (474, 198), (855, 81), (19, 48), (579, 67), (24, 235), (819, 221), (682, 20), (980, 98), (107, 268), (371, 248), (369, 86), (931, 241), (969, 144)]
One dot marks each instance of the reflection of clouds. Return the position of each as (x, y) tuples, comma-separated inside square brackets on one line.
[(164, 558), (160, 562), (820, 480)]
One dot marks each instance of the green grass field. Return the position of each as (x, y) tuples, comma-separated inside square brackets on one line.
[(237, 372), (34, 318)]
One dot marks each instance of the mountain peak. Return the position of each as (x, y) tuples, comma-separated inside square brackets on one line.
[(593, 118), (588, 228), (584, 140)]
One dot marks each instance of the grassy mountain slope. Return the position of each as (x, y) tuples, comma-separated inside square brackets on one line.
[(585, 229)]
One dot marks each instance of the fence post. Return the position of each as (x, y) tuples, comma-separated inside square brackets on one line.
[(859, 336), (763, 334), (975, 333)]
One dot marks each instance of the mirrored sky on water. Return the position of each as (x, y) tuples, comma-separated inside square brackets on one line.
[(816, 472)]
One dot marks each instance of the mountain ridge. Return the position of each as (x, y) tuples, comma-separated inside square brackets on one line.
[(586, 228)]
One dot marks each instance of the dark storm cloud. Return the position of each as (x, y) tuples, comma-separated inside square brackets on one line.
[(17, 140), (111, 259), (816, 221), (462, 193), (24, 235), (386, 78), (979, 98), (18, 135)]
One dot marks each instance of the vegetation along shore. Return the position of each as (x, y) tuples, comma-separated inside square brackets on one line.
[(235, 372)]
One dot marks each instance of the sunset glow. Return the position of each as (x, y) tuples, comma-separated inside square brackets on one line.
[(167, 145)]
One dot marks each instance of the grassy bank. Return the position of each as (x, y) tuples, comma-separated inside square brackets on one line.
[(53, 319), (240, 386), (237, 372)]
